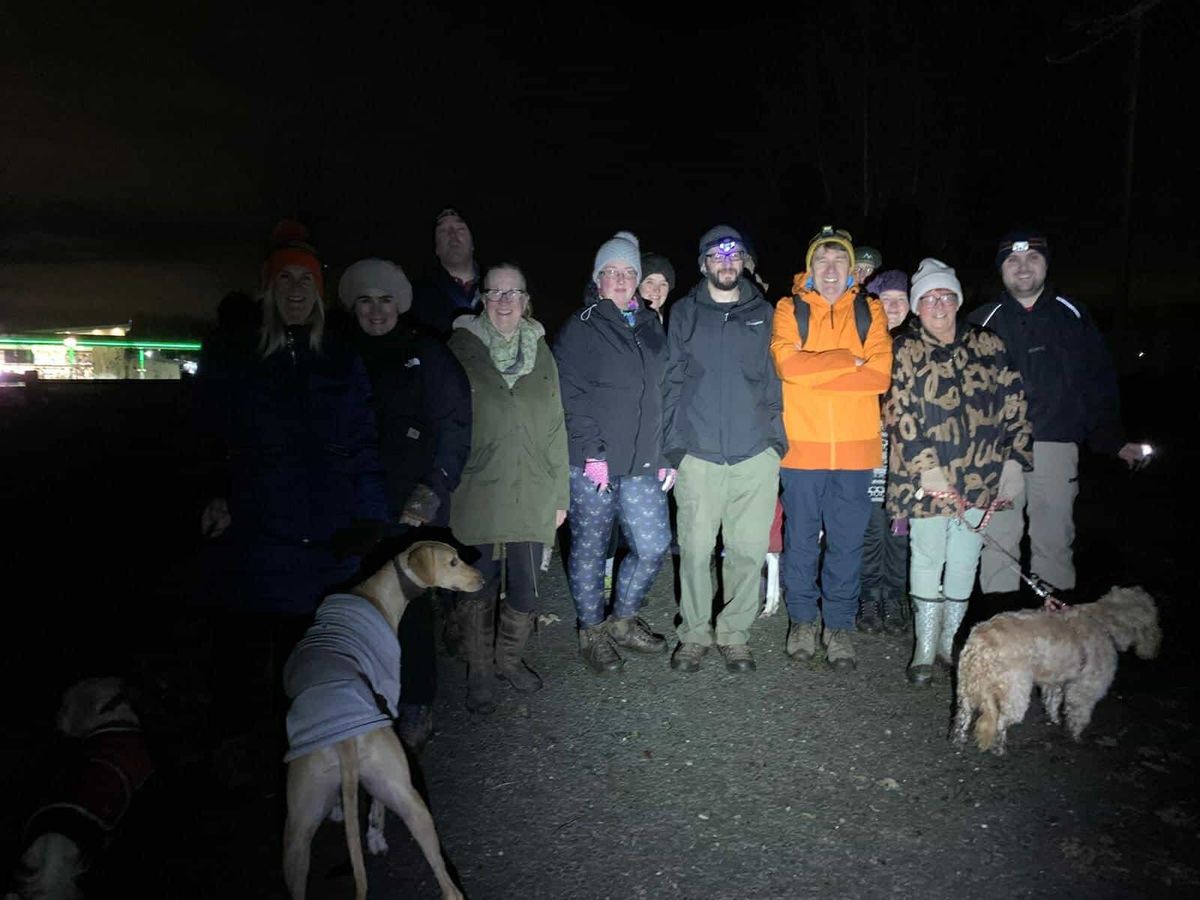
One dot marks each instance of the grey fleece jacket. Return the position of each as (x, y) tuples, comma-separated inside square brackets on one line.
[(343, 677)]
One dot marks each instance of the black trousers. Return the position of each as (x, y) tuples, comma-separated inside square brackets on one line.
[(885, 558), (522, 561)]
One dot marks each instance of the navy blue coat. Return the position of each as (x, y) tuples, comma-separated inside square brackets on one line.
[(300, 463), (612, 387)]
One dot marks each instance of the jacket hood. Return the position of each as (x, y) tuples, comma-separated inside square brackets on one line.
[(748, 293), (801, 288)]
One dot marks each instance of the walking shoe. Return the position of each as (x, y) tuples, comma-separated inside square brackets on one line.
[(597, 650), (802, 640), (894, 621), (737, 657), (869, 619), (839, 649), (687, 656), (634, 633)]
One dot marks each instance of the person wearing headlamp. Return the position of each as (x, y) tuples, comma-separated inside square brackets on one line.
[(1073, 399), (722, 430)]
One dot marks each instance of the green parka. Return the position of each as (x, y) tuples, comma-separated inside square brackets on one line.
[(516, 476)]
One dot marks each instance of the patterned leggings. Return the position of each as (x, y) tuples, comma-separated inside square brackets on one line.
[(640, 505)]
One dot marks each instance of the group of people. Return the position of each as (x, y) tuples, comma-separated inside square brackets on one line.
[(892, 430)]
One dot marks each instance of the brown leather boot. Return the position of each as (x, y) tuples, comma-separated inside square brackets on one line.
[(478, 620), (515, 628)]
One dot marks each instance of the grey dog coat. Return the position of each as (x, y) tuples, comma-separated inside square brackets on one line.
[(343, 678)]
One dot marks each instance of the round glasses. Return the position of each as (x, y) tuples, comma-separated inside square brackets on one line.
[(510, 296), (620, 274)]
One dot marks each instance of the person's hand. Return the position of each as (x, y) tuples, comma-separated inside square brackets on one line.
[(1012, 480), (934, 480), (421, 506), (215, 518), (596, 471), (667, 477), (1134, 455), (560, 516)]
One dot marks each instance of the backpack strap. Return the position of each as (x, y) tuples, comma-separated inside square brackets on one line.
[(862, 317), (801, 310)]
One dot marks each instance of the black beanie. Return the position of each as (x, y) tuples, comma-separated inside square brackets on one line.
[(656, 263)]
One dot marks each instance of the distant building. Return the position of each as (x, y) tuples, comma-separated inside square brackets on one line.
[(93, 354)]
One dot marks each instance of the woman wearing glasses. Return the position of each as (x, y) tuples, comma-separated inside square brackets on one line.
[(612, 360), (513, 494), (960, 442)]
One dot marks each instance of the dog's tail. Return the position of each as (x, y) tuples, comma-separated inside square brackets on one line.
[(347, 753)]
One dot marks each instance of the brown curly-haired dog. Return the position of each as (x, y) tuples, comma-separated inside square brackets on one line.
[(1071, 656)]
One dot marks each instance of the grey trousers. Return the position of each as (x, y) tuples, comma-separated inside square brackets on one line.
[(1049, 502)]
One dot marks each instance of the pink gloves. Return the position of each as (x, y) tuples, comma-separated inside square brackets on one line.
[(667, 477), (596, 471)]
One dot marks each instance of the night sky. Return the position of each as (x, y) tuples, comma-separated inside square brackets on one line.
[(147, 153)]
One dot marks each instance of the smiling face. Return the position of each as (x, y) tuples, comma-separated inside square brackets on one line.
[(895, 307), (294, 291), (723, 266), (938, 311), (830, 271), (1024, 274), (376, 312), (504, 299), (618, 282), (654, 290)]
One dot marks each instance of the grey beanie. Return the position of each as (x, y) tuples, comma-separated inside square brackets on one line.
[(622, 247), (657, 264), (379, 275), (931, 274), (717, 235)]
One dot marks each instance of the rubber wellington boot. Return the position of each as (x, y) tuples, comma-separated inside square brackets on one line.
[(927, 625), (952, 616), (515, 628)]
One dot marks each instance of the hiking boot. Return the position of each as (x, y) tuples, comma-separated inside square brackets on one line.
[(687, 656), (634, 633), (839, 649), (596, 648), (927, 626), (893, 620), (414, 725), (802, 640), (737, 657), (869, 619), (513, 634)]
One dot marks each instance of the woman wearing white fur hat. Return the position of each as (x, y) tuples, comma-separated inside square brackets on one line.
[(960, 442)]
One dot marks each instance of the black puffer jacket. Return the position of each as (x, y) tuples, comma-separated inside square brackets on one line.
[(612, 384), (723, 401), (422, 406)]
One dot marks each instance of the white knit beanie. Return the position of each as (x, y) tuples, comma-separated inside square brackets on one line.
[(933, 273), (379, 275), (622, 247)]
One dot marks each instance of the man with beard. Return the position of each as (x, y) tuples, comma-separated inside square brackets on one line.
[(1072, 391), (834, 355), (452, 287), (723, 432)]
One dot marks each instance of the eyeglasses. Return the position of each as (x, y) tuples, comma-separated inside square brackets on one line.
[(733, 256), (620, 274), (931, 300), (513, 295)]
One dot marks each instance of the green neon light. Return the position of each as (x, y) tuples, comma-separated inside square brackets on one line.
[(141, 360), (90, 342)]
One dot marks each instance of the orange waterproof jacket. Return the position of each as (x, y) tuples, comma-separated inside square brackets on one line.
[(830, 404)]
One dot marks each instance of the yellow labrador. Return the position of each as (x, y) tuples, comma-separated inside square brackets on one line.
[(343, 679)]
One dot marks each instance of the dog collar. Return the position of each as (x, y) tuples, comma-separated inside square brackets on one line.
[(408, 584)]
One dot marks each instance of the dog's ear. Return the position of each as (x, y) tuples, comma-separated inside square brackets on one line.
[(423, 561)]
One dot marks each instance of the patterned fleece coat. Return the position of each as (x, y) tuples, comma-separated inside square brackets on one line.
[(958, 405)]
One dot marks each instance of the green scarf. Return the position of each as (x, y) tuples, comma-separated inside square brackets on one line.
[(514, 356)]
